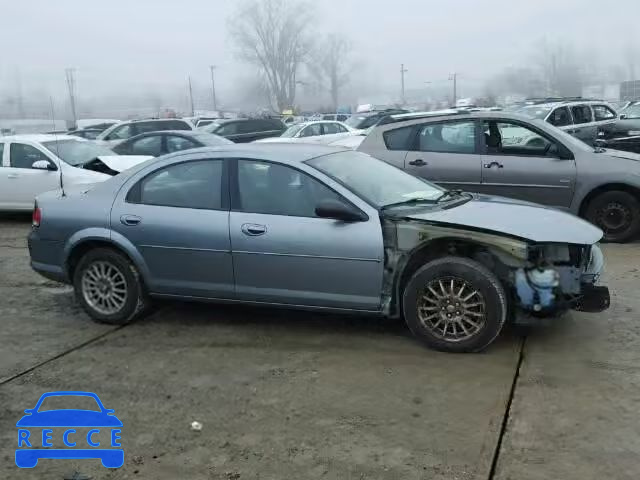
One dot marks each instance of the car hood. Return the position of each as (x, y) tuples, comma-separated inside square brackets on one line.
[(69, 418), (621, 154), (120, 163), (516, 218)]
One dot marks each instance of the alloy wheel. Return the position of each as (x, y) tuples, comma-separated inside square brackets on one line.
[(452, 309), (104, 287)]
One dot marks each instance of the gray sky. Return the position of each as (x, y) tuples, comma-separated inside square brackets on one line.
[(156, 44)]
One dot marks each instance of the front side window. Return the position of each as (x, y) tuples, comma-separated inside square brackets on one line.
[(274, 189), (24, 156), (176, 144), (175, 125), (581, 114), (505, 138), (312, 130), (632, 111), (449, 137), (1, 153), (147, 146), (195, 184), (331, 128), (560, 117), (602, 112), (292, 131)]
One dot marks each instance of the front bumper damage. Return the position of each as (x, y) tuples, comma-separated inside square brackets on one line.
[(559, 278), (542, 280)]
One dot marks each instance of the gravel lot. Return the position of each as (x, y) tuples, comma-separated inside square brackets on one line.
[(285, 395)]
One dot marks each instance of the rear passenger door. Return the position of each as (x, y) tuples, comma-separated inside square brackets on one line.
[(177, 217), (445, 153)]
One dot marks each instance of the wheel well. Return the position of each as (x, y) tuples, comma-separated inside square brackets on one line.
[(440, 248), (80, 250), (607, 188)]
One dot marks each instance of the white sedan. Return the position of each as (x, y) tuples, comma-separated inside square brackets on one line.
[(321, 131), (33, 164)]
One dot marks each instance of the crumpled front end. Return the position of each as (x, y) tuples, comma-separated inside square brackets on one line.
[(559, 277)]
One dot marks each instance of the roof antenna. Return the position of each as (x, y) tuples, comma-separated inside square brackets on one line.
[(55, 134)]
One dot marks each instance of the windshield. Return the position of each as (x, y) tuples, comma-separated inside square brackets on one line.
[(375, 181), (292, 130), (534, 111), (212, 127), (76, 152), (631, 112)]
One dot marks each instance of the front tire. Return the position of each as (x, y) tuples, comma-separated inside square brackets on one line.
[(108, 287), (455, 304), (617, 214)]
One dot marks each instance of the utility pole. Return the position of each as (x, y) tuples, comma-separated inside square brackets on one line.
[(71, 87), (454, 77), (402, 72), (213, 88), (191, 97)]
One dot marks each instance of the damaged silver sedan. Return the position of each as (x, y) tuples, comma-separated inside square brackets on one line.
[(319, 228)]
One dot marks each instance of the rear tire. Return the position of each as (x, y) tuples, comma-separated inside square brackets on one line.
[(455, 304), (109, 288), (617, 213)]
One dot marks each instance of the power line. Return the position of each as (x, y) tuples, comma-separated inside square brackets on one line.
[(191, 97)]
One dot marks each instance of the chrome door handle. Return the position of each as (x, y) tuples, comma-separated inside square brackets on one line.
[(13, 175), (497, 164), (418, 162), (253, 230), (130, 220)]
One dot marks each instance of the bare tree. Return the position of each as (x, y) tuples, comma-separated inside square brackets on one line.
[(274, 36), (560, 68), (331, 65)]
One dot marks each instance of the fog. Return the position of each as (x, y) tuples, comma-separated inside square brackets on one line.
[(143, 51)]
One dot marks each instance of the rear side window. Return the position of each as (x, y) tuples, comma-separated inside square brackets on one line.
[(602, 112), (398, 139), (581, 114), (449, 137), (185, 185)]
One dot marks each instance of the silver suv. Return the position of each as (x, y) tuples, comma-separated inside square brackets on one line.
[(581, 118), (506, 154)]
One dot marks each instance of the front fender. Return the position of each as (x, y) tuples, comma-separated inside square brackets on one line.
[(119, 241)]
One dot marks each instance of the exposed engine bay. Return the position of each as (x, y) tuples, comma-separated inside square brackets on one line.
[(543, 280)]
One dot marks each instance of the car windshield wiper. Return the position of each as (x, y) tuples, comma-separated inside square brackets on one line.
[(411, 201), (449, 194)]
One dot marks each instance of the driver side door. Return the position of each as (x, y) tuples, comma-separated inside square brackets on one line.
[(519, 162), (284, 253)]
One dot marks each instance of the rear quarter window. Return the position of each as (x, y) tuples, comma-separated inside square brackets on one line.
[(398, 139)]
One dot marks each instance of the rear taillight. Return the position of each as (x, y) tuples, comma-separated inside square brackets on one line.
[(36, 218)]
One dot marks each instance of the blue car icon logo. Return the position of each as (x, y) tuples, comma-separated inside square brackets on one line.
[(83, 433)]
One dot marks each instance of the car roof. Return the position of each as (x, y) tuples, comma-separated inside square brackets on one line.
[(314, 122), (39, 137), (287, 153), (138, 120)]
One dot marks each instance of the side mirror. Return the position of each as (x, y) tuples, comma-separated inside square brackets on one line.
[(330, 208), (43, 165), (623, 116)]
